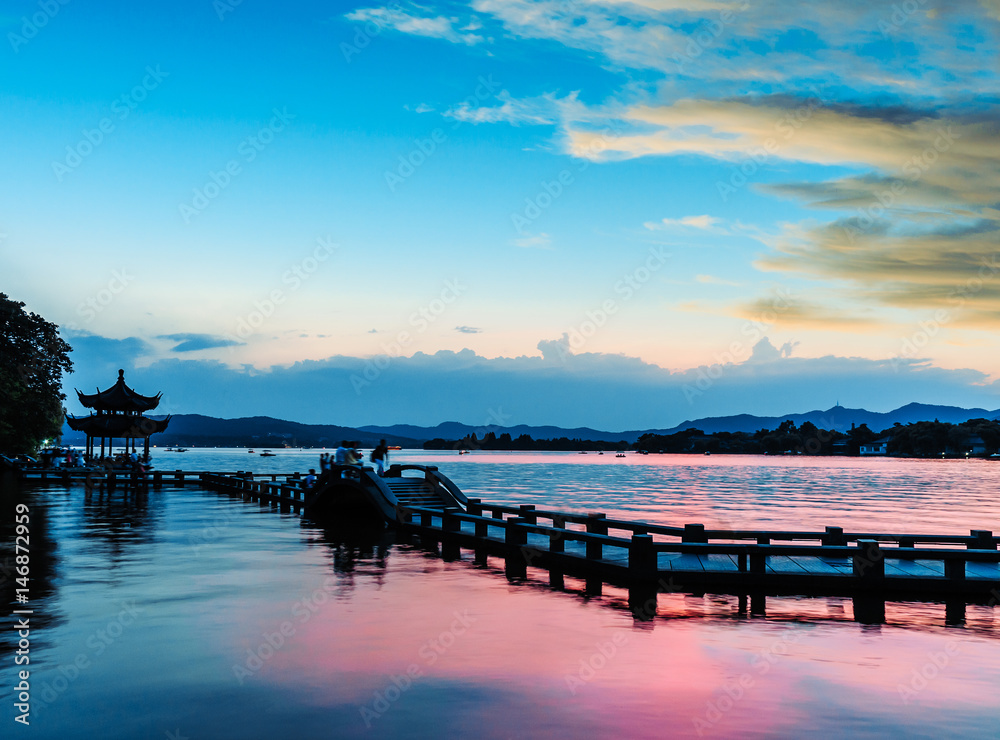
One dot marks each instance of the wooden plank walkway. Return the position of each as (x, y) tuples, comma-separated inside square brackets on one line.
[(641, 554)]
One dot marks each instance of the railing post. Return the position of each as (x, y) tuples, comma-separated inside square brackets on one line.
[(642, 557), (907, 542), (694, 533), (528, 513), (449, 522), (982, 540), (954, 569), (834, 537), (557, 540), (869, 562), (515, 535), (179, 477), (426, 519), (758, 563), (475, 508), (596, 524)]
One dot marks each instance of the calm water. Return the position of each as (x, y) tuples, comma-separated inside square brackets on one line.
[(186, 614)]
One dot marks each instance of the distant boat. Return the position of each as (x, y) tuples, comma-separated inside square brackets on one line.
[(600, 453), (397, 447), (250, 451), (582, 452), (267, 453), (620, 454)]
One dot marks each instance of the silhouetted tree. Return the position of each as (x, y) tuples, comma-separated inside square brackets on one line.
[(33, 358)]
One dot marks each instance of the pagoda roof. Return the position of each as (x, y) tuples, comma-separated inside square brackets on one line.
[(108, 425), (119, 397)]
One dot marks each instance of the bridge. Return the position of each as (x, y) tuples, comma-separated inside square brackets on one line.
[(646, 558)]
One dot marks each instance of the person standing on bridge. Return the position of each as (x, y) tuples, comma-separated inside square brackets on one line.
[(340, 456), (380, 456)]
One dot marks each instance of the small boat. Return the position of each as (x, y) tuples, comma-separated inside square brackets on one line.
[(600, 453), (620, 454), (250, 451), (267, 453), (180, 449), (396, 447)]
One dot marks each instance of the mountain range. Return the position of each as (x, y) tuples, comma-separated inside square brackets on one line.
[(264, 431)]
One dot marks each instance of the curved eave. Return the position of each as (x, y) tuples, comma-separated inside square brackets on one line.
[(101, 425)]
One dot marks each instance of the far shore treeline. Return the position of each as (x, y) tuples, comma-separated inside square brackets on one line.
[(977, 437)]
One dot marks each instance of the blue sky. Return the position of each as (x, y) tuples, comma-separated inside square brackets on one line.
[(619, 214)]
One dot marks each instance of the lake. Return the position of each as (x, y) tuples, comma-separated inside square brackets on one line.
[(184, 614)]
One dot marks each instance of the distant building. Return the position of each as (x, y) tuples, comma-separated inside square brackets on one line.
[(878, 447), (976, 445)]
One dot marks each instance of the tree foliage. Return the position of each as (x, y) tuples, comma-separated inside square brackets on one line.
[(33, 358)]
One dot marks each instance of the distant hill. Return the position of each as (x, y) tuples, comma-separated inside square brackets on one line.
[(255, 431), (838, 417), (457, 430), (263, 431)]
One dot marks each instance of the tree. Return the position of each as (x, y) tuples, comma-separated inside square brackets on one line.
[(33, 358)]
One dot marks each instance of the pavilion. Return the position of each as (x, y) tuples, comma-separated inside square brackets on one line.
[(119, 415)]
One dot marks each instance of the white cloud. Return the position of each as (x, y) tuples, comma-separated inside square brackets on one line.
[(416, 25), (534, 241), (702, 223)]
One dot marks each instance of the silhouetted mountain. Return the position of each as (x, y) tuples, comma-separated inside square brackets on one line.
[(263, 431), (839, 418), (457, 430), (255, 431)]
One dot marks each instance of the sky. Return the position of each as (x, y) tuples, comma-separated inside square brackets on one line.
[(602, 213)]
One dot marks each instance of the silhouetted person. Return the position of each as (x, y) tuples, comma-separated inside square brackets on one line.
[(340, 456), (380, 456)]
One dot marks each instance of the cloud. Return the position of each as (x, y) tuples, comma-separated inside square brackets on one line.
[(557, 386), (703, 223), (534, 241), (196, 342), (417, 25), (468, 330), (920, 221), (712, 280), (543, 110)]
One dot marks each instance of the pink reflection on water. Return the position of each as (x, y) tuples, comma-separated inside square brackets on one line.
[(547, 663)]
